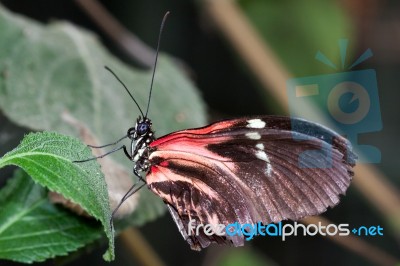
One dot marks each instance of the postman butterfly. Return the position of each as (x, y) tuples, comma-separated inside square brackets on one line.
[(243, 170)]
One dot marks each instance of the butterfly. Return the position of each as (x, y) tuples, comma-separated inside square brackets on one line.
[(246, 170)]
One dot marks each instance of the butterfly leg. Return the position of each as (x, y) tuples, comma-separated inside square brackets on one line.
[(132, 190), (103, 155), (106, 145), (136, 173)]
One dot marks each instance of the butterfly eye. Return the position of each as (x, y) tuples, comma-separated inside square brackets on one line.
[(142, 128)]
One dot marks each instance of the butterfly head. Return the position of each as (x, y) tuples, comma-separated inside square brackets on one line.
[(142, 128)]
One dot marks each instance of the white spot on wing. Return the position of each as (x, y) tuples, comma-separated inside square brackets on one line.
[(260, 146), (255, 123), (263, 156), (253, 135)]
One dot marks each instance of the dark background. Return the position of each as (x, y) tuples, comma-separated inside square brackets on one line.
[(229, 89)]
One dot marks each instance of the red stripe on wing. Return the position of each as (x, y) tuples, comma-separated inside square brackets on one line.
[(195, 131)]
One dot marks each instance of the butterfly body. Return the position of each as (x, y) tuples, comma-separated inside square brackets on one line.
[(141, 135), (245, 170)]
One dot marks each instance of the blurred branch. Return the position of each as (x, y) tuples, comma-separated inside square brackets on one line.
[(129, 43), (254, 51), (377, 188), (139, 247), (355, 244), (260, 58)]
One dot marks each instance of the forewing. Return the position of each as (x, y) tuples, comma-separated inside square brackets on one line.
[(247, 171)]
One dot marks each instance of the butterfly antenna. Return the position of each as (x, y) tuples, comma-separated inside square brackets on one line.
[(120, 81), (155, 62)]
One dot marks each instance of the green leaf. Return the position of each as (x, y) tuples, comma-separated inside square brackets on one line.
[(48, 70), (47, 157), (32, 229)]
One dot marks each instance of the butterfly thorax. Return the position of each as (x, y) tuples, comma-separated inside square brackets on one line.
[(141, 135)]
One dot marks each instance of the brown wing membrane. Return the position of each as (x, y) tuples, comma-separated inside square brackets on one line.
[(247, 171)]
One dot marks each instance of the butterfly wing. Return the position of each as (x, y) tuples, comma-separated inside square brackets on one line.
[(247, 171)]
